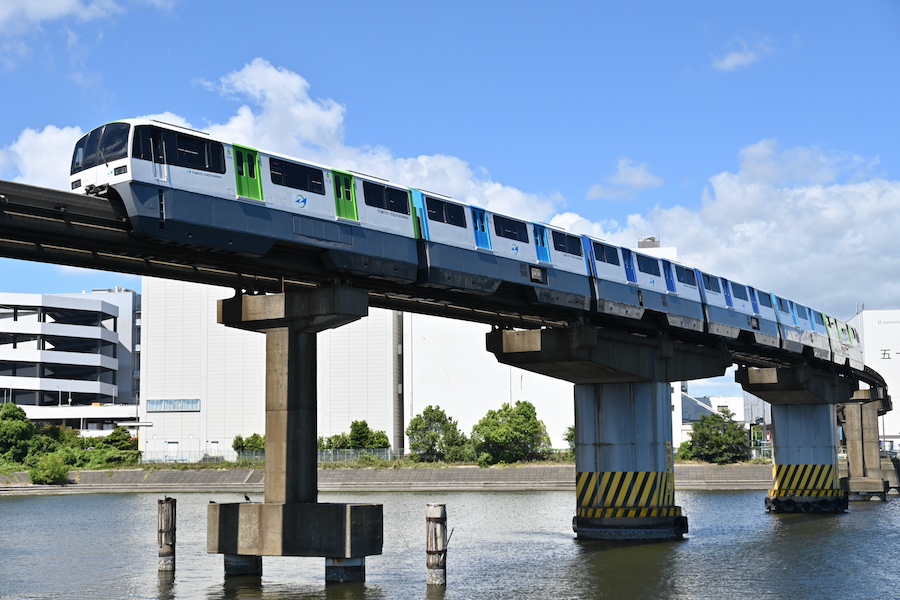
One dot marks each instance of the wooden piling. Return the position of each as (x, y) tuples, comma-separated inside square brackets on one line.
[(436, 544), (166, 533)]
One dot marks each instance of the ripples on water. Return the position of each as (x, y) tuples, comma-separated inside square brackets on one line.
[(505, 545)]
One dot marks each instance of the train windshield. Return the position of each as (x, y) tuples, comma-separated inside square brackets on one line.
[(100, 146)]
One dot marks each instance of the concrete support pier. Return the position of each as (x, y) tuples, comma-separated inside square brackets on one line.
[(625, 481), (805, 436), (860, 422), (623, 420), (290, 521)]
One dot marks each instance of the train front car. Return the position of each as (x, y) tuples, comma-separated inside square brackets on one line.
[(182, 186)]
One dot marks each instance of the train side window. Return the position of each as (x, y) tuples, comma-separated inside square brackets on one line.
[(685, 276), (445, 212), (510, 228), (648, 265), (381, 196), (147, 144), (240, 163), (765, 299), (299, 177), (817, 316), (711, 283), (607, 254), (740, 291), (802, 312), (783, 305), (569, 244)]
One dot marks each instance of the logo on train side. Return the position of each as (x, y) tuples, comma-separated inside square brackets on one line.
[(514, 248), (301, 200)]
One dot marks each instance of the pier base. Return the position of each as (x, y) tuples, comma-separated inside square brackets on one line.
[(237, 565), (345, 570), (290, 522)]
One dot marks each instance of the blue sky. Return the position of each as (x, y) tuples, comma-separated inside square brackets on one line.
[(759, 138)]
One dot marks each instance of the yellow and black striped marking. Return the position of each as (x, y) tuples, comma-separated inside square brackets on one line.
[(804, 480), (624, 513), (625, 490)]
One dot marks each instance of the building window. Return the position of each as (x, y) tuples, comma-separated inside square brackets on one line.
[(192, 405)]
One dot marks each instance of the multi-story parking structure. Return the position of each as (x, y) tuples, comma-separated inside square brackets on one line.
[(72, 359)]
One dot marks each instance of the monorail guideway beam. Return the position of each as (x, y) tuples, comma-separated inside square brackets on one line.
[(805, 436), (290, 521), (623, 421)]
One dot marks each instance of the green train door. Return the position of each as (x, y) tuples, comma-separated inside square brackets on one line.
[(344, 196), (246, 170)]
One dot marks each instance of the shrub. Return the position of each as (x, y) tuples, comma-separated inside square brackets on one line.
[(50, 469)]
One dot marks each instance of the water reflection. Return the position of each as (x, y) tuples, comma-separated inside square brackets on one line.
[(505, 545)]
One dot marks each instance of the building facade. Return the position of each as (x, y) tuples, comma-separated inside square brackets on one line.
[(879, 331), (72, 359), (204, 383)]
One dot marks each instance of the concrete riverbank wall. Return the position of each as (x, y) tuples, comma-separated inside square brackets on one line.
[(251, 481)]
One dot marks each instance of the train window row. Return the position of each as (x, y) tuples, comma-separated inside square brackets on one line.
[(381, 196), (445, 212), (511, 228), (607, 254), (178, 149), (685, 276), (648, 265), (299, 177), (711, 284), (569, 244)]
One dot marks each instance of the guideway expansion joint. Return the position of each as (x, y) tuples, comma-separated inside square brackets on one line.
[(290, 521)]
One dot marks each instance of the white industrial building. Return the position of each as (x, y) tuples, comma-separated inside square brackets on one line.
[(879, 331), (205, 383), (72, 359)]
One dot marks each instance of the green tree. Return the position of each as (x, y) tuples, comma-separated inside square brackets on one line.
[(49, 469), (338, 441), (362, 436), (16, 432), (119, 439), (569, 436), (238, 444), (433, 436), (255, 443), (719, 439), (511, 434)]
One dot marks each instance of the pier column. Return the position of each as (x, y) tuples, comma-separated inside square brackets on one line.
[(859, 418), (625, 482), (290, 521), (623, 420), (805, 438)]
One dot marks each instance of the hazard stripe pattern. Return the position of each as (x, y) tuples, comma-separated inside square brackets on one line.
[(804, 480), (625, 490)]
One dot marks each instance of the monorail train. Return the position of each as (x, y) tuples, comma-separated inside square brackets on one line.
[(182, 186)]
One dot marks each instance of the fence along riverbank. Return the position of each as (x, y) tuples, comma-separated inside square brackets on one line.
[(521, 478)]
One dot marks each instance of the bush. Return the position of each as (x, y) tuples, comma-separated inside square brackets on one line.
[(50, 469), (511, 434)]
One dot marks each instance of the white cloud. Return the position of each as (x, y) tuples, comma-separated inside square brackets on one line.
[(629, 179), (40, 157), (20, 16), (793, 222), (743, 54)]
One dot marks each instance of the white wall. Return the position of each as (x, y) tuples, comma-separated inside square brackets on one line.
[(446, 364), (880, 334)]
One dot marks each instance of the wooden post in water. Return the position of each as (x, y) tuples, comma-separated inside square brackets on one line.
[(166, 534), (436, 544)]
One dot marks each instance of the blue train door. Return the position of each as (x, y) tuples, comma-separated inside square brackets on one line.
[(628, 259), (479, 224), (726, 288), (540, 243), (670, 279)]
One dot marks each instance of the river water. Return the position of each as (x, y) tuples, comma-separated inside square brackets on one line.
[(504, 545)]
